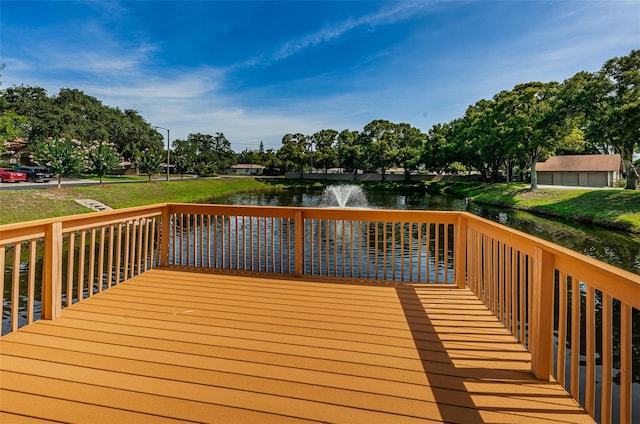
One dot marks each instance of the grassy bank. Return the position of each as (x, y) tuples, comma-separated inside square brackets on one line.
[(26, 205), (617, 209)]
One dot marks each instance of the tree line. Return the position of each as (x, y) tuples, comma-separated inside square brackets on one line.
[(501, 138)]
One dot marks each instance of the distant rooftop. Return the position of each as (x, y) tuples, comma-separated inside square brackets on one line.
[(580, 163), (246, 166)]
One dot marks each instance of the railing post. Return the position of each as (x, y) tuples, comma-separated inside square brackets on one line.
[(52, 272), (460, 255), (298, 243), (541, 318), (165, 236)]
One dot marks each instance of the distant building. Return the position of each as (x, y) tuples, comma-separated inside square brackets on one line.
[(243, 169), (125, 168), (580, 170)]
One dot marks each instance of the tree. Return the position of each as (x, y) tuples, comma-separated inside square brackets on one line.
[(148, 162), (184, 156), (350, 151), (73, 114), (35, 105), (440, 149), (101, 158), (325, 155), (410, 144), (250, 156), (466, 143), (79, 115), (207, 153), (294, 152), (585, 99), (379, 138), (621, 82), (538, 120), (13, 128), (65, 157), (131, 133), (271, 162), (223, 155)]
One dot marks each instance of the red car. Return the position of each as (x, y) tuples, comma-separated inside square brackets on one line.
[(9, 175)]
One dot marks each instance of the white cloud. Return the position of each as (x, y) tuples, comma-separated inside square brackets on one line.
[(148, 86), (397, 12)]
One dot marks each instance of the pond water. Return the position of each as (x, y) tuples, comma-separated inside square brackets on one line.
[(616, 248)]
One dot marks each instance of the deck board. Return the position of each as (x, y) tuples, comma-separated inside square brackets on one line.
[(176, 346)]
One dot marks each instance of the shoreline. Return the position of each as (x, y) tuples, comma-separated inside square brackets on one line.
[(608, 208), (613, 209)]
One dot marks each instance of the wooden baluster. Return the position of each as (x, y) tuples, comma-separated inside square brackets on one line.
[(514, 293), (101, 259), (202, 244), (110, 256), (2, 266), (15, 285), (522, 297), (607, 360), (591, 352), (118, 253), (625, 363), (335, 247), (509, 312), (562, 329), (251, 237), (92, 261), (83, 246), (70, 267), (446, 254), (127, 238), (31, 290), (495, 286), (299, 244), (209, 235), (149, 244), (437, 252), (139, 254), (237, 239), (343, 242), (575, 338), (419, 254)]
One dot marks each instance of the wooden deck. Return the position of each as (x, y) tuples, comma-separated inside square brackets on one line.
[(171, 346)]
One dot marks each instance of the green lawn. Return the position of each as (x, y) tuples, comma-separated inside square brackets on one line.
[(30, 204), (612, 208)]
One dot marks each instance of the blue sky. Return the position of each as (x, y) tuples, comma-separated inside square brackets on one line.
[(256, 70)]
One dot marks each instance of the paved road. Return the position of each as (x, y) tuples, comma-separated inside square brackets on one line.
[(69, 182)]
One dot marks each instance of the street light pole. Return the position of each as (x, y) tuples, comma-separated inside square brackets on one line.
[(168, 150)]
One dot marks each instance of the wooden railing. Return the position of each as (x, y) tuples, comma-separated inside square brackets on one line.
[(577, 316), (404, 246), (50, 264)]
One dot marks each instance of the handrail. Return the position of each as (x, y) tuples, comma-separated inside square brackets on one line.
[(545, 295), (70, 258), (417, 246)]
